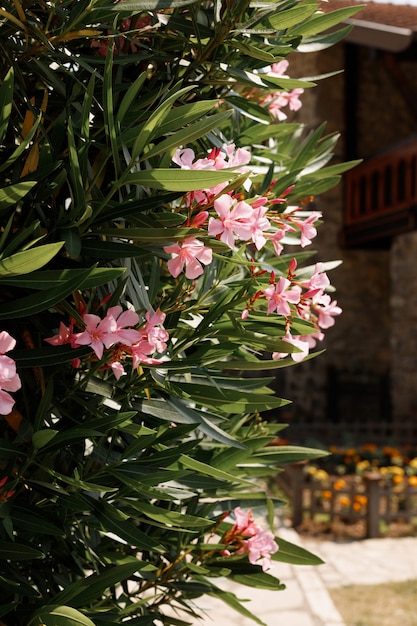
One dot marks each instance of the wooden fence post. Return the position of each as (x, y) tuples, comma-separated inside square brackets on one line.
[(371, 480), (297, 479)]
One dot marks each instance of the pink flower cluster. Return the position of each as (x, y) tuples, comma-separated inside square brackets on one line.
[(217, 159), (278, 100), (115, 332), (9, 379), (309, 302), (246, 537)]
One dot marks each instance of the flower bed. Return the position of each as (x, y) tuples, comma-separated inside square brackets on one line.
[(363, 491)]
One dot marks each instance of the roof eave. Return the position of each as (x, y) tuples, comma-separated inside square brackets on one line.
[(381, 36)]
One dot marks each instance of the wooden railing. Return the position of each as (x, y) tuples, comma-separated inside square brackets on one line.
[(381, 196), (371, 498)]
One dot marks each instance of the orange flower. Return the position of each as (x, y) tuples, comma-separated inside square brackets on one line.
[(412, 480), (340, 483), (344, 501), (327, 494)]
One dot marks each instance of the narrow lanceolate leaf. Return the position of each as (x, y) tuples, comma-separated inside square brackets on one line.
[(188, 134), (177, 179), (82, 592), (290, 553), (114, 521), (6, 99), (57, 615), (11, 194), (29, 305), (231, 600), (133, 6), (46, 279), (323, 21), (150, 128), (29, 260), (18, 551)]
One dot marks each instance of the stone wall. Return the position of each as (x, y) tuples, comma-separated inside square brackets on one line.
[(358, 347)]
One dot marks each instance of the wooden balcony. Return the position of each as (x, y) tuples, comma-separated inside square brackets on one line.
[(381, 198)]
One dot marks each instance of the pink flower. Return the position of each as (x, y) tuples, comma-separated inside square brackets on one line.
[(192, 253), (279, 69), (251, 539), (153, 339), (236, 219), (277, 236), (280, 295), (217, 159), (9, 379), (279, 99), (318, 281), (96, 331), (327, 310), (245, 524), (261, 546), (64, 335), (118, 321), (308, 231), (260, 224), (301, 343)]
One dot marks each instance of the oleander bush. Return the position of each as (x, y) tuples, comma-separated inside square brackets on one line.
[(155, 208)]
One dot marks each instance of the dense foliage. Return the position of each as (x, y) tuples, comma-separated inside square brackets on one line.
[(150, 194)]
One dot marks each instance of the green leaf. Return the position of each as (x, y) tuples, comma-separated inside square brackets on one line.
[(18, 551), (175, 518), (114, 521), (290, 553), (258, 580), (178, 179), (289, 454), (13, 193), (129, 97), (48, 356), (323, 21), (231, 600), (208, 470), (208, 427), (53, 615), (291, 17), (134, 6), (187, 134), (34, 523), (317, 43), (29, 305), (83, 592), (148, 130), (6, 100), (149, 235), (48, 278), (228, 400), (29, 260), (42, 438)]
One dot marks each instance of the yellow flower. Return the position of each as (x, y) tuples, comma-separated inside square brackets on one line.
[(321, 475)]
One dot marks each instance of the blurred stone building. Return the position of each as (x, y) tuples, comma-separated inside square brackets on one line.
[(364, 387)]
